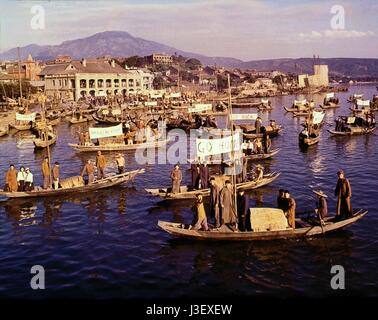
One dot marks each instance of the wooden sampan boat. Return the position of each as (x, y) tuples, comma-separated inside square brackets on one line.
[(117, 147), (330, 105), (41, 143), (272, 133), (21, 127), (301, 113), (84, 119), (300, 109), (352, 132), (107, 182), (263, 156), (185, 194), (308, 141), (306, 229)]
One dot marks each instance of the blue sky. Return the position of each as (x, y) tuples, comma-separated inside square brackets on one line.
[(245, 29)]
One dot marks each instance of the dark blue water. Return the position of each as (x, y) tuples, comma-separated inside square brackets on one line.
[(106, 244)]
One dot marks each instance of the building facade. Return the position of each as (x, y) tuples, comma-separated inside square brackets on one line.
[(95, 77), (157, 58)]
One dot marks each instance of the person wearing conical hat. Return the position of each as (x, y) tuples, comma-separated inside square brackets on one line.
[(321, 205)]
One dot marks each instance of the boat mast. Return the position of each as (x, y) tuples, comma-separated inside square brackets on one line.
[(19, 73), (231, 122)]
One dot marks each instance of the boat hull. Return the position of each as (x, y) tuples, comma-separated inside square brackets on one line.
[(119, 147), (97, 185), (190, 195), (216, 235)]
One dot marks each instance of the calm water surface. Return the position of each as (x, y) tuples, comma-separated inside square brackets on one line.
[(107, 245)]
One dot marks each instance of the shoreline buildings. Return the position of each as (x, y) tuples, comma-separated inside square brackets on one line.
[(75, 79)]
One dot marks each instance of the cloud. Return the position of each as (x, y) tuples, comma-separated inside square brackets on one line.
[(335, 34)]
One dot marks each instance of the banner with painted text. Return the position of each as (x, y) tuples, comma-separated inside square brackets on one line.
[(156, 96), (330, 95), (264, 101), (317, 116), (199, 107), (244, 116), (25, 117), (208, 147), (95, 133), (361, 102)]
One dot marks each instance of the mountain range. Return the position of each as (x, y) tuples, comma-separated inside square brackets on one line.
[(121, 44)]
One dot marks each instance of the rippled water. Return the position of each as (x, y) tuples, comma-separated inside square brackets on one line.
[(107, 244)]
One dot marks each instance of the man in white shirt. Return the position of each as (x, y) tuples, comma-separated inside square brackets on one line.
[(28, 180)]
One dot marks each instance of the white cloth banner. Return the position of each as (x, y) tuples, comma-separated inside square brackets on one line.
[(330, 95), (25, 117), (150, 103), (175, 95), (116, 112), (317, 117), (200, 107), (156, 96), (296, 102), (208, 147), (265, 101), (95, 133), (244, 116), (361, 102), (358, 96)]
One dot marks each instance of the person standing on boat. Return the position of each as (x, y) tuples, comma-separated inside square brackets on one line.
[(46, 173), (82, 138), (11, 179), (201, 214), (204, 173), (194, 172), (101, 165), (21, 179), (214, 202), (267, 143), (227, 206), (28, 180), (281, 201), (259, 172), (176, 177), (120, 159), (89, 170), (258, 123), (258, 146), (56, 175), (321, 205), (290, 213), (343, 192), (243, 207)]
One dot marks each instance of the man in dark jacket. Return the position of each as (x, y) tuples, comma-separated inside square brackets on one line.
[(204, 173), (343, 192), (214, 202), (243, 209)]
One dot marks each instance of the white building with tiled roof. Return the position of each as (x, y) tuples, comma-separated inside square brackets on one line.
[(96, 77)]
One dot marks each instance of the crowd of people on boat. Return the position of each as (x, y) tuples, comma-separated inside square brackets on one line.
[(222, 208), (23, 179)]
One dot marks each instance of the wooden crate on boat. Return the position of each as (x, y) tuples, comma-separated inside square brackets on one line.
[(268, 219), (71, 182)]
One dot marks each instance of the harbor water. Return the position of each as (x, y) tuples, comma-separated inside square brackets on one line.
[(106, 244)]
